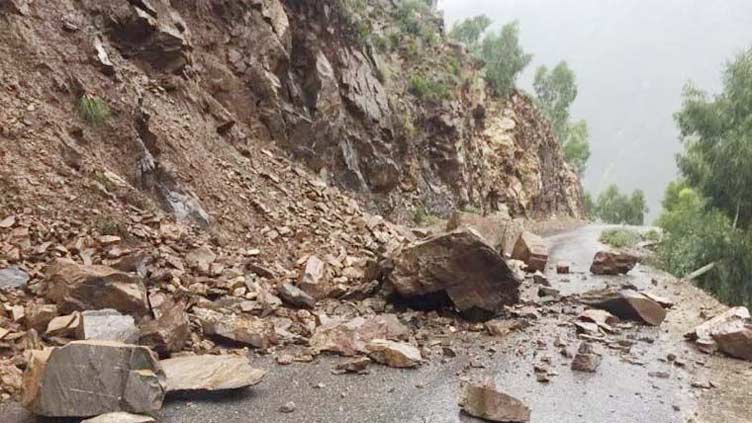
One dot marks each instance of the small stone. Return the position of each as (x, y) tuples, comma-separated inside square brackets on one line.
[(486, 402), (65, 326), (586, 359), (314, 281), (394, 354), (288, 407), (562, 267), (357, 365), (501, 328), (38, 316)]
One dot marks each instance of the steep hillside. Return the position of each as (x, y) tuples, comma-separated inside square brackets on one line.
[(193, 86)]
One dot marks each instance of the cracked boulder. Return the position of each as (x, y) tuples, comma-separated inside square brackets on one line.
[(75, 287), (459, 266), (89, 378)]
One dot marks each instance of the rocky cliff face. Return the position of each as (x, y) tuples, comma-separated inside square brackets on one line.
[(199, 91)]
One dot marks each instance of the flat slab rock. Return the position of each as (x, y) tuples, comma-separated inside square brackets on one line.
[(626, 304), (210, 373), (486, 402), (120, 417), (475, 277), (89, 378)]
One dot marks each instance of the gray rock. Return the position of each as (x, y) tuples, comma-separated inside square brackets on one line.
[(295, 296), (120, 417), (210, 373), (107, 325), (89, 378), (13, 278)]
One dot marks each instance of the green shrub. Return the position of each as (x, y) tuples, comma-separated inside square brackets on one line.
[(426, 88), (93, 109), (422, 217), (652, 235), (620, 238)]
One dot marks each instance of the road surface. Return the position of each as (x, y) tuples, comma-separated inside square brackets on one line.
[(620, 391)]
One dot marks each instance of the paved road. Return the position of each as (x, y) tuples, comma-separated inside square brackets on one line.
[(618, 392)]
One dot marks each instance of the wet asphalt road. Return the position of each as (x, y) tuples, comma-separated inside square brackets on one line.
[(617, 392)]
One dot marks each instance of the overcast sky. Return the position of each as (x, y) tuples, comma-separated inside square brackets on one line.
[(632, 58)]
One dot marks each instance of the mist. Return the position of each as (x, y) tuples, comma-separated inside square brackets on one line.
[(632, 59)]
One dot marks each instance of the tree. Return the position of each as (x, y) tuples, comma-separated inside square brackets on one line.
[(576, 146), (717, 137), (556, 90), (468, 31), (504, 58), (615, 207)]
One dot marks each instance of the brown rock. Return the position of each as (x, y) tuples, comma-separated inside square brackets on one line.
[(491, 228), (314, 281), (169, 332), (89, 378), (393, 354), (210, 373), (586, 359), (602, 318), (735, 339), (460, 264), (706, 330), (200, 259), (486, 402), (612, 263), (357, 365), (532, 250), (38, 316), (349, 337), (502, 328), (249, 330), (562, 267), (76, 288), (65, 326), (627, 304)]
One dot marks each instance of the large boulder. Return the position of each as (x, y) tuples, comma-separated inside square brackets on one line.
[(627, 304), (472, 274), (89, 378), (532, 250), (210, 373), (613, 263), (75, 287)]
